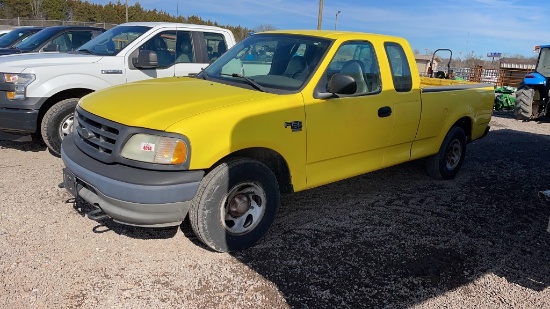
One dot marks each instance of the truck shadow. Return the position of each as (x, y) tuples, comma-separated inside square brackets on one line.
[(20, 143), (394, 238)]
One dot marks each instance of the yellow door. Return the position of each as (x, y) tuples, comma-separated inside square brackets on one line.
[(347, 135)]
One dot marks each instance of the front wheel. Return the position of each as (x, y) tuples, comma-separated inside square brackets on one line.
[(235, 205), (447, 162), (58, 123)]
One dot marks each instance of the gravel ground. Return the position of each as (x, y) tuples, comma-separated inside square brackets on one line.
[(389, 239)]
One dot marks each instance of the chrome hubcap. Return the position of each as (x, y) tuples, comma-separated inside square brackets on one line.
[(244, 208), (66, 126), (453, 155)]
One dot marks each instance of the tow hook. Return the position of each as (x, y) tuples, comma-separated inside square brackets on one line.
[(97, 215)]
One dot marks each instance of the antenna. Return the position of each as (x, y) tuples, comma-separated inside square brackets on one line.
[(176, 47)]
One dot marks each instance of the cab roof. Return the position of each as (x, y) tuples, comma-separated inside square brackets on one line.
[(160, 24), (334, 34)]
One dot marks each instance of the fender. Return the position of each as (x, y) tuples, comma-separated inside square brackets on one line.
[(534, 78), (66, 82), (218, 133)]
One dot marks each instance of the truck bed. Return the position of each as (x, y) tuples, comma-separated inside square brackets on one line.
[(442, 102)]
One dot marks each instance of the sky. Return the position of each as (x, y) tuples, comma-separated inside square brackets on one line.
[(478, 27)]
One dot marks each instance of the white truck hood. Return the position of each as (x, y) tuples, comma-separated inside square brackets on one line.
[(19, 62)]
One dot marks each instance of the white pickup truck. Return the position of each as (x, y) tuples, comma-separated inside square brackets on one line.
[(39, 92)]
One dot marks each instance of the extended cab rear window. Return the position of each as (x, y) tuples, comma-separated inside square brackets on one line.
[(399, 65)]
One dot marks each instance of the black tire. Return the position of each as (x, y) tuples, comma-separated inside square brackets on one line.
[(57, 123), (235, 205), (523, 109), (448, 161), (37, 139)]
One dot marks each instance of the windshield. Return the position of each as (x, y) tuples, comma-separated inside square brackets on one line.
[(543, 66), (111, 42), (9, 38), (37, 39), (275, 63)]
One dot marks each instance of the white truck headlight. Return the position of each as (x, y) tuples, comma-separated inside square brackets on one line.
[(21, 81), (155, 149)]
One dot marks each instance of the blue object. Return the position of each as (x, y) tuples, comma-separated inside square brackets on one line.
[(534, 78)]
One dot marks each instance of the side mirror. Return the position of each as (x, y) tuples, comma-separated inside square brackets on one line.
[(342, 84), (51, 48), (147, 59)]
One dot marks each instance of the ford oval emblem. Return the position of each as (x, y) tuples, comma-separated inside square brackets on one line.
[(86, 134)]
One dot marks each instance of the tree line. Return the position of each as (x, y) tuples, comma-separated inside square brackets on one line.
[(113, 13)]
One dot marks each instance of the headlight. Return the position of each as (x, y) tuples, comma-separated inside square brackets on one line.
[(155, 149), (21, 81)]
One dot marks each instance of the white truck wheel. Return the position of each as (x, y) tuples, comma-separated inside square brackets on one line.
[(58, 123)]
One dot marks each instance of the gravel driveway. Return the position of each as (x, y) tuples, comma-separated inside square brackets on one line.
[(393, 238)]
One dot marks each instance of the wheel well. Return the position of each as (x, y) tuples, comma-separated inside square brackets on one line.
[(466, 124), (540, 92), (273, 160), (66, 94), (540, 100)]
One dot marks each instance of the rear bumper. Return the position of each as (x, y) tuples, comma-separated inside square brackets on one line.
[(129, 195)]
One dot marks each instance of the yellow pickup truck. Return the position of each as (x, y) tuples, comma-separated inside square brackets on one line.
[(282, 111)]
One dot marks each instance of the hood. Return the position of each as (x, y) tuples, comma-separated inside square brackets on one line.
[(159, 103), (19, 62)]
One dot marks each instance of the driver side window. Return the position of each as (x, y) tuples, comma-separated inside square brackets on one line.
[(171, 47), (357, 60), (62, 43), (164, 45)]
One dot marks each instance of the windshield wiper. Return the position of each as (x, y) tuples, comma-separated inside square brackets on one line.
[(248, 80), (84, 51), (201, 74)]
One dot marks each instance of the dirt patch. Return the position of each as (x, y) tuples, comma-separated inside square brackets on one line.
[(393, 238)]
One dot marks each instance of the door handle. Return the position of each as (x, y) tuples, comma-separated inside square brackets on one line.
[(384, 111)]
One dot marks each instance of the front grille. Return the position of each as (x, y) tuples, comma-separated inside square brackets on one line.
[(96, 136), (104, 139)]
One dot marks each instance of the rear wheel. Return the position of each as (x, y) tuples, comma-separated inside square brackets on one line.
[(448, 161), (235, 205), (527, 103), (58, 123)]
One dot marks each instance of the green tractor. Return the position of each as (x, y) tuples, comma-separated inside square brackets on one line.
[(532, 94)]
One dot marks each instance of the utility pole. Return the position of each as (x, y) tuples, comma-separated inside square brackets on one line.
[(320, 17), (126, 10)]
